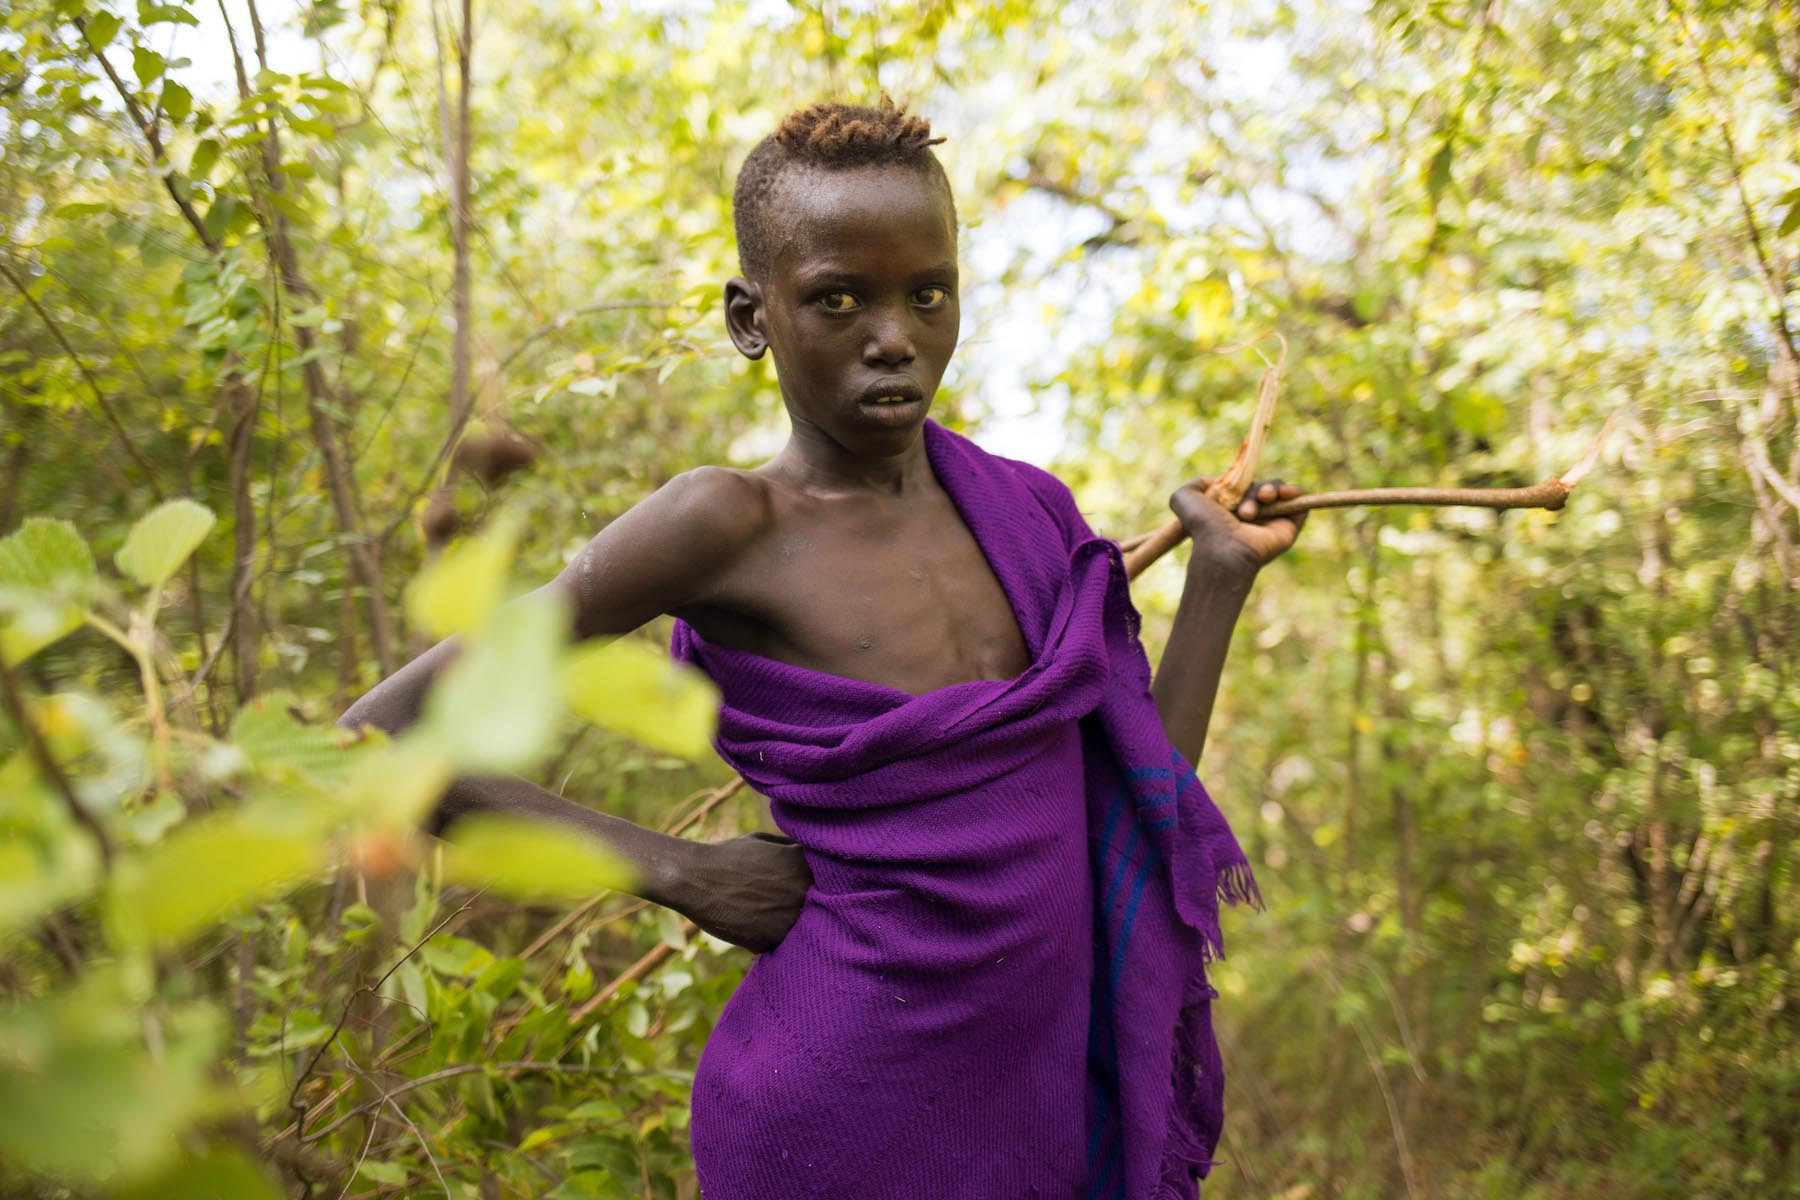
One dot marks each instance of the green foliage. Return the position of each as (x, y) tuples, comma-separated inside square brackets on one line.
[(109, 1076)]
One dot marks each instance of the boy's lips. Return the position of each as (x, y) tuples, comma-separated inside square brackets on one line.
[(895, 402), (894, 391)]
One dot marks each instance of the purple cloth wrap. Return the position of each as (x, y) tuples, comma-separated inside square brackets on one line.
[(996, 988)]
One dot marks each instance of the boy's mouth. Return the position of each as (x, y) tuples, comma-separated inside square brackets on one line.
[(893, 392), (895, 402)]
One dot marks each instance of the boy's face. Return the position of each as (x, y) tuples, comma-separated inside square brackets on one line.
[(859, 304)]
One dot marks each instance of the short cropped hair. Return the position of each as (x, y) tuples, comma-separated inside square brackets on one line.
[(828, 136)]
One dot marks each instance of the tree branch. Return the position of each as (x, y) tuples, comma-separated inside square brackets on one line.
[(153, 137), (106, 409)]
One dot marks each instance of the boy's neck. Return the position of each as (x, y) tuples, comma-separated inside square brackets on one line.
[(811, 459)]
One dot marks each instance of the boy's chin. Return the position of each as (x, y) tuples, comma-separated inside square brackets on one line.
[(878, 431)]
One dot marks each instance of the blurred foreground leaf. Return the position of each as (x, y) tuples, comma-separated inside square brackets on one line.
[(46, 574), (495, 707), (220, 1174), (81, 1095), (640, 693), (461, 590), (209, 870), (532, 861)]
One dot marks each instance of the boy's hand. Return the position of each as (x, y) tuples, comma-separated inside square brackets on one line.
[(747, 890), (1240, 539)]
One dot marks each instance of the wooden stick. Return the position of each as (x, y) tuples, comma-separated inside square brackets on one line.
[(1552, 494)]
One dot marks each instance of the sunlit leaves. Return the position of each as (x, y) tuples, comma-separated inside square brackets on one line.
[(636, 691), (460, 590), (46, 574), (101, 28), (162, 539), (532, 860)]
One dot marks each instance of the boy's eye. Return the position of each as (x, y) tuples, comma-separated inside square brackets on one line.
[(839, 302), (931, 297)]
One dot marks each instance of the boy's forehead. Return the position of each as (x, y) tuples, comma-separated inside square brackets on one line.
[(814, 208)]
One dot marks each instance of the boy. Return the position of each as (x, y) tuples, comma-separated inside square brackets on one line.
[(983, 975)]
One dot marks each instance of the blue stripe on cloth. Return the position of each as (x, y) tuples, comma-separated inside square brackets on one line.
[(1112, 889), (1101, 1113), (1130, 918), (1106, 1166), (1106, 830)]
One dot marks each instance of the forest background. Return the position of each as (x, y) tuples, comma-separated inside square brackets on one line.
[(361, 282)]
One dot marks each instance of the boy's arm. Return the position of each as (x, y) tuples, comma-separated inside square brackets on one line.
[(1228, 551), (666, 552)]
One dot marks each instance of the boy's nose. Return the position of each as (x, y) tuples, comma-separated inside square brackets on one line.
[(888, 343)]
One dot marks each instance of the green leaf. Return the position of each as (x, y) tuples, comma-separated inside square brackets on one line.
[(501, 977), (162, 539), (283, 749), (1437, 176), (100, 29), (177, 101), (148, 64), (461, 590), (162, 14), (1791, 220), (389, 1174), (635, 690), (206, 871), (219, 216), (205, 155), (532, 861), (495, 707), (46, 579)]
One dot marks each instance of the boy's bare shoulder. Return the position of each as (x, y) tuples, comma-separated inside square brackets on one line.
[(719, 502), (670, 549)]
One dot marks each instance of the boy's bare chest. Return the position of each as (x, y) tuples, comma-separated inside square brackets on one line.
[(899, 596)]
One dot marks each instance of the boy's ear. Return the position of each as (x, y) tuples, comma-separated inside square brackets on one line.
[(744, 317)]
